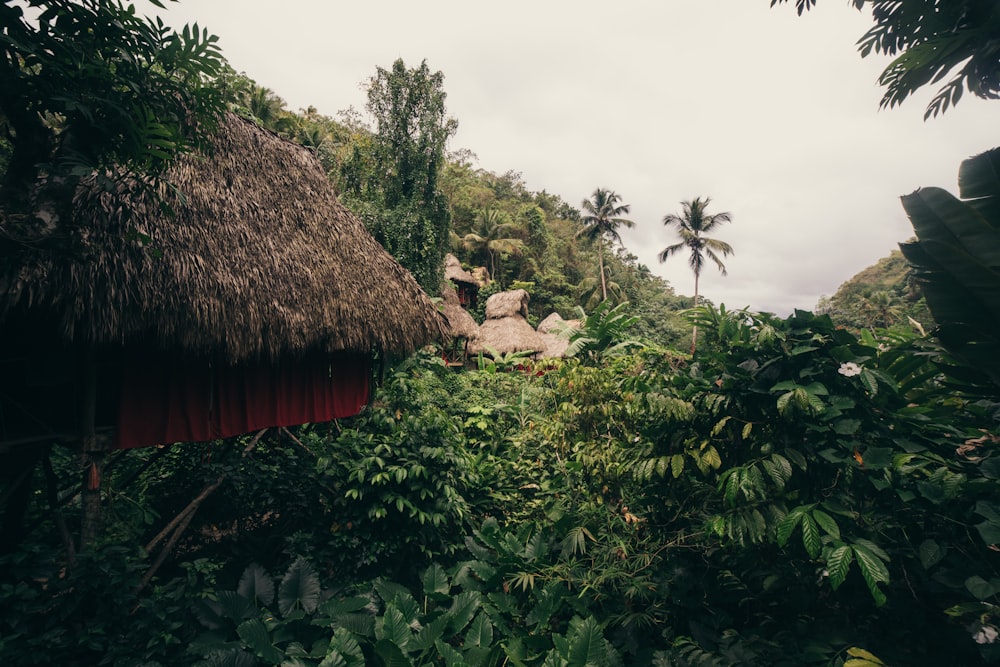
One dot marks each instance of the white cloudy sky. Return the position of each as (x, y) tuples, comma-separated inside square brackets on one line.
[(774, 116)]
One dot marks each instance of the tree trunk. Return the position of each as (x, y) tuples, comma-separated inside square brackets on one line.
[(694, 332), (600, 265)]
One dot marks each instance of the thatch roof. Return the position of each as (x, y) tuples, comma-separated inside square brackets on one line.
[(513, 303), (506, 329), (453, 271), (555, 342), (260, 260), (460, 322)]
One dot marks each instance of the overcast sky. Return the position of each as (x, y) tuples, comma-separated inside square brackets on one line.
[(773, 116)]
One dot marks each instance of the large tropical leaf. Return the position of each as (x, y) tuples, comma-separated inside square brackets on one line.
[(956, 257), (256, 585), (299, 588)]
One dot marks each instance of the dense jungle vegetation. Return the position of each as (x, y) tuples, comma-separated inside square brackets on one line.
[(820, 489)]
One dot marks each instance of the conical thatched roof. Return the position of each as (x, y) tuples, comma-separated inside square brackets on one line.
[(453, 271), (555, 342), (506, 329), (261, 260), (460, 323)]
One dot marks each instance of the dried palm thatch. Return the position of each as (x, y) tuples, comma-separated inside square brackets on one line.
[(460, 323), (453, 271), (513, 303), (259, 260), (552, 331), (506, 328)]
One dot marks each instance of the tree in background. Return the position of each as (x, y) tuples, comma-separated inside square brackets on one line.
[(90, 85), (494, 234), (601, 219), (397, 174), (930, 38), (691, 226)]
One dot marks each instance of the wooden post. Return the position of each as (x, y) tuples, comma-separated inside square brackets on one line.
[(93, 453)]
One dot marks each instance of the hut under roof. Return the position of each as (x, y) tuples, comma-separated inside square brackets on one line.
[(460, 323), (260, 283), (506, 328), (466, 284)]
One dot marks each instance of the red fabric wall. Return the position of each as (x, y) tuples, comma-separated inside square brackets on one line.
[(172, 399)]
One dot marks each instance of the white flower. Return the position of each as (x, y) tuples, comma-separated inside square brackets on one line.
[(986, 635), (849, 369)]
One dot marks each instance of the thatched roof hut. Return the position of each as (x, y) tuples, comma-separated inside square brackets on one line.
[(259, 273), (466, 285), (454, 272), (506, 328), (550, 331), (460, 322), (260, 260)]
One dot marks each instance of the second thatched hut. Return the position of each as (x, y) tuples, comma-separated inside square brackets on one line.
[(506, 327)]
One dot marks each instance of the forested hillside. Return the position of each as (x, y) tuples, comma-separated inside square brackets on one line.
[(883, 295)]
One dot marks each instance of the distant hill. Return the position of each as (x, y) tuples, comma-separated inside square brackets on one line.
[(881, 295)]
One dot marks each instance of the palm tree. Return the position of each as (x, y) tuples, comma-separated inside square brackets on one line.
[(602, 220), (494, 235), (693, 222)]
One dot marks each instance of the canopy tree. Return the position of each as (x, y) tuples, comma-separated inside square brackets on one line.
[(691, 226), (399, 175), (930, 39), (89, 85), (601, 219)]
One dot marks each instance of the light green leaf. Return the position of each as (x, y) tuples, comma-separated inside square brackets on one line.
[(258, 639), (786, 526), (480, 632)]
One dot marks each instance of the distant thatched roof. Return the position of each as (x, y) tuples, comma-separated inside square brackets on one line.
[(453, 271), (555, 342), (513, 303), (261, 260), (506, 329), (460, 323)]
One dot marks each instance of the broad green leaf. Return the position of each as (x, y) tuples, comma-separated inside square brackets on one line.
[(838, 564), (391, 655), (435, 581), (256, 585), (786, 526), (677, 465), (931, 553), (869, 381), (255, 635), (451, 655), (586, 645), (873, 570), (393, 627), (480, 632), (345, 646), (979, 587), (827, 523), (429, 633), (299, 588), (463, 607), (810, 536)]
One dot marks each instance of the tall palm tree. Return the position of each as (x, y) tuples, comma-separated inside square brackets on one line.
[(690, 225), (601, 220)]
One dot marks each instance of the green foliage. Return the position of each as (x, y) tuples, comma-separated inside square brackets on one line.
[(929, 39), (398, 170), (93, 85), (602, 332)]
